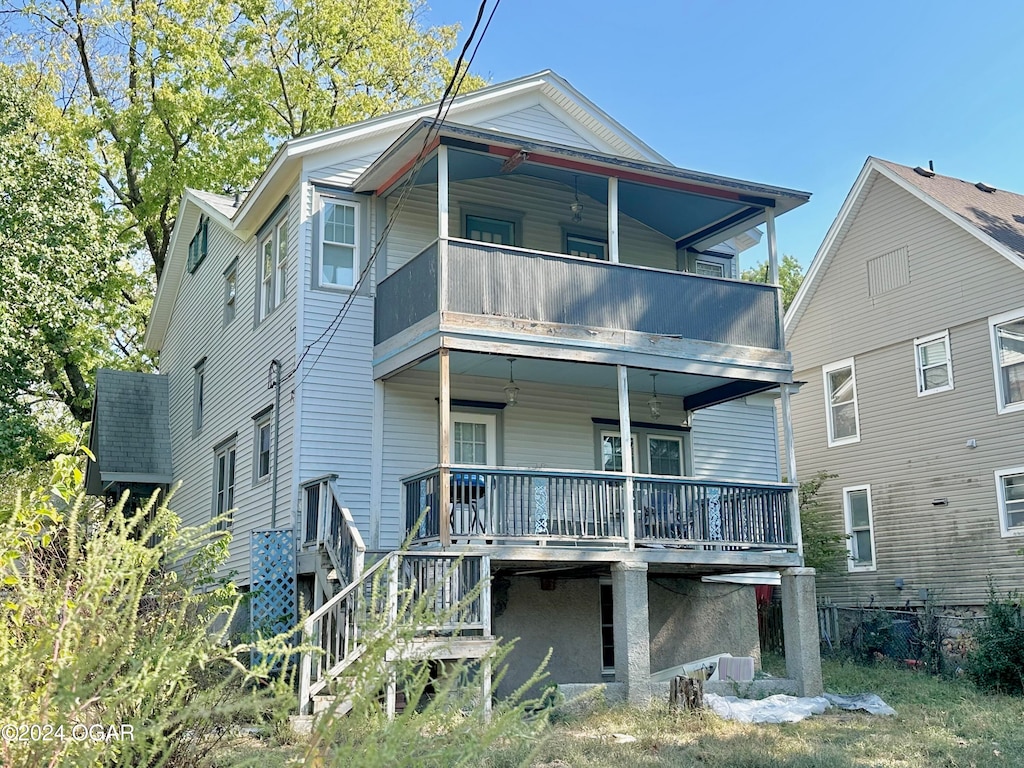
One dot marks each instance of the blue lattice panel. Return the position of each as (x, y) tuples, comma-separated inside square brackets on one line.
[(273, 585)]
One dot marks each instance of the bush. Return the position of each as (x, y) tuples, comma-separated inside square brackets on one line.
[(997, 664), (113, 646), (824, 549)]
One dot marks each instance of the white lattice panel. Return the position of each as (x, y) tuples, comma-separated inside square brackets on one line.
[(273, 585)]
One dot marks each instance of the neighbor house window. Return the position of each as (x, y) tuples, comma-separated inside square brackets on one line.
[(934, 364), (586, 247), (230, 291), (198, 396), (339, 250), (197, 247), (490, 230), (273, 267), (1010, 491), (264, 433), (842, 419), (861, 541), (1008, 358), (224, 484)]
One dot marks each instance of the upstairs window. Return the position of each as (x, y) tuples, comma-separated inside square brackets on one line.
[(224, 484), (934, 366), (273, 267), (197, 247), (198, 396), (263, 446), (230, 291), (488, 230), (859, 528), (586, 247), (709, 268), (841, 417), (339, 249), (1008, 359)]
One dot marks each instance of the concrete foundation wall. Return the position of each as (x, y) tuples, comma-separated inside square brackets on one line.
[(688, 620)]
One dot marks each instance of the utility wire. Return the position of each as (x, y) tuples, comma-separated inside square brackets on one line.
[(451, 91)]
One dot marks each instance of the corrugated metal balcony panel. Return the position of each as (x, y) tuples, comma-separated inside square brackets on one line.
[(490, 280), (407, 295)]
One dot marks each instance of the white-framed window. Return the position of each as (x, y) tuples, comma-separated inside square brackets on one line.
[(611, 451), (665, 455), (1010, 492), (198, 245), (607, 628), (339, 243), (273, 267), (934, 363), (263, 445), (198, 396), (709, 268), (474, 438), (859, 528), (230, 291), (841, 416), (224, 483), (586, 247), (1007, 333)]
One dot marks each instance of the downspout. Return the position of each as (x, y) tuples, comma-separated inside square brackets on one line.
[(277, 441)]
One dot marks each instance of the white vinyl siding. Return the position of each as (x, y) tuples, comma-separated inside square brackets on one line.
[(934, 363), (737, 441), (859, 528), (539, 123), (1010, 493), (841, 414), (1008, 359)]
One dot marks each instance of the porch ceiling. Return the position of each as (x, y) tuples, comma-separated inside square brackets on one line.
[(571, 374)]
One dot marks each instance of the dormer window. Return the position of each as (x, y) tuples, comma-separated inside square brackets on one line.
[(197, 247)]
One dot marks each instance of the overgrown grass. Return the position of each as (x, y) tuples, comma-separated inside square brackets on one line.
[(940, 723)]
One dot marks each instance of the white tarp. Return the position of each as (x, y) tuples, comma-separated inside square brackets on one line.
[(790, 709)]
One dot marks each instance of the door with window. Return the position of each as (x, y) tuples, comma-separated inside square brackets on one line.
[(473, 442)]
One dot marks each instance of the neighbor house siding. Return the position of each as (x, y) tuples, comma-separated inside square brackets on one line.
[(913, 450), (238, 356)]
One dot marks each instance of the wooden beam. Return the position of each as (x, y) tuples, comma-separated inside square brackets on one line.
[(731, 391), (444, 447), (626, 441)]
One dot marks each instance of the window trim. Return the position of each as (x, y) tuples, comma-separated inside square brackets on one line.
[(996, 320), (227, 448), (199, 393), (852, 565), (921, 342), (834, 442), (263, 419), (1005, 531), (323, 200)]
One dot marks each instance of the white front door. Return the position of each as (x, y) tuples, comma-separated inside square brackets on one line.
[(474, 439)]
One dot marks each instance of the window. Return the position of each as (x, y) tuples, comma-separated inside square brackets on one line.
[(264, 433), (934, 366), (709, 268), (224, 484), (339, 251), (273, 267), (197, 247), (1010, 491), (230, 291), (586, 247), (607, 630), (611, 452), (490, 230), (665, 455), (861, 541), (473, 438), (1008, 359), (198, 396), (841, 414)]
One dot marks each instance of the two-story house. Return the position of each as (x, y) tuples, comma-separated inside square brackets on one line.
[(514, 335), (909, 334)]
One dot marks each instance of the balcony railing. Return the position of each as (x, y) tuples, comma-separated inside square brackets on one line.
[(525, 505), (500, 281)]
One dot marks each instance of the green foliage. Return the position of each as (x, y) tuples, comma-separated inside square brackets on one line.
[(102, 628), (791, 275), (824, 549), (200, 93), (997, 663)]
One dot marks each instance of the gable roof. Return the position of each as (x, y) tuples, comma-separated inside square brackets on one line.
[(996, 218)]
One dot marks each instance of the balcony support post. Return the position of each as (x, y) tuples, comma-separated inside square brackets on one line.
[(790, 448), (613, 220), (444, 448), (632, 633), (626, 441)]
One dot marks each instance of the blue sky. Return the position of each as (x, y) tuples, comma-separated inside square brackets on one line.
[(795, 94)]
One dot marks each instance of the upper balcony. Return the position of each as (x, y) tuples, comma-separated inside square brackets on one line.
[(498, 243)]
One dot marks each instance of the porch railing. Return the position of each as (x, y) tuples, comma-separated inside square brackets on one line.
[(504, 503), (330, 526)]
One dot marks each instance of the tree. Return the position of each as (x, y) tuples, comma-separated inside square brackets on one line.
[(67, 295), (824, 549), (791, 275), (199, 93)]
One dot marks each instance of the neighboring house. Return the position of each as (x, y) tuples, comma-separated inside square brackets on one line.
[(909, 334), (463, 317)]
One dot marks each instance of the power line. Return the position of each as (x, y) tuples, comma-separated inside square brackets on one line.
[(452, 88)]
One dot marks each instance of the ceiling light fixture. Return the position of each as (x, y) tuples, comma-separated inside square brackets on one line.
[(654, 403), (511, 390), (576, 206)]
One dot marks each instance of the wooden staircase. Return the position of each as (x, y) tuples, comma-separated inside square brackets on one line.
[(405, 606)]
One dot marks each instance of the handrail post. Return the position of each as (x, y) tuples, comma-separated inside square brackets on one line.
[(485, 594), (306, 670)]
